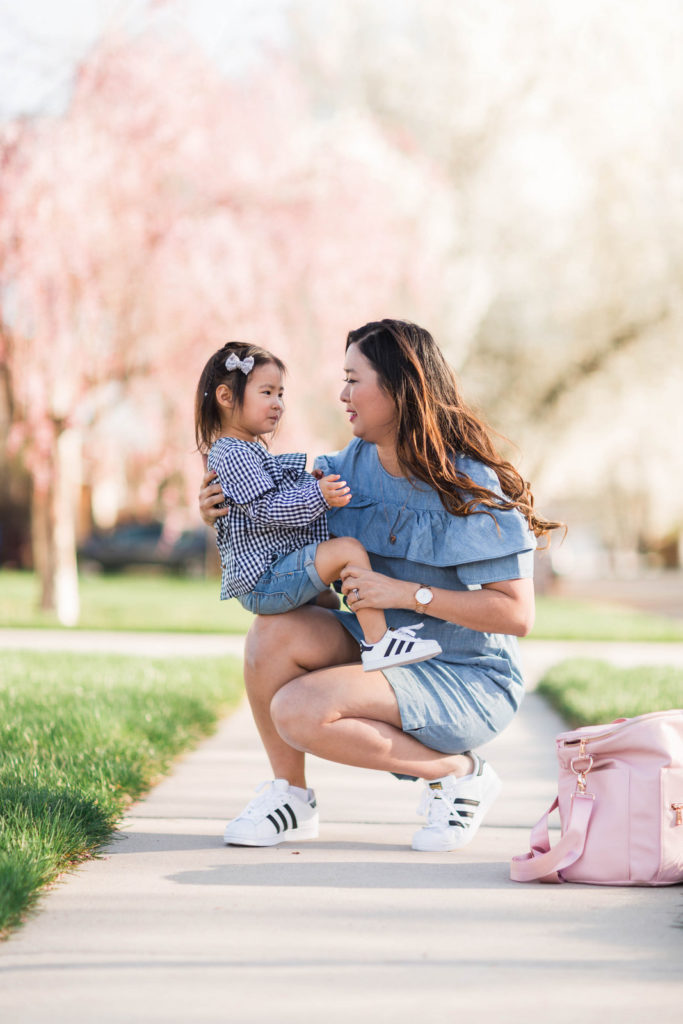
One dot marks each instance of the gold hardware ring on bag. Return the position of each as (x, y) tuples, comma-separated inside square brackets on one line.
[(581, 773)]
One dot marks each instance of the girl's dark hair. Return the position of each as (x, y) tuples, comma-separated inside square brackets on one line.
[(207, 419), (434, 423)]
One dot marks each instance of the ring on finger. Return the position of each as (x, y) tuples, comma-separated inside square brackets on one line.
[(355, 593)]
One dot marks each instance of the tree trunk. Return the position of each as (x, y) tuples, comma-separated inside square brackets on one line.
[(54, 529), (42, 505)]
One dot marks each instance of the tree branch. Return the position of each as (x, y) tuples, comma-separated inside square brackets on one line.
[(573, 376)]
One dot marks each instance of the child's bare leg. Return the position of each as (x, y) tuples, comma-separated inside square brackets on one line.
[(330, 558)]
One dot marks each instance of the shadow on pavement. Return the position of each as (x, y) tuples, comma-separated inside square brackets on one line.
[(357, 875)]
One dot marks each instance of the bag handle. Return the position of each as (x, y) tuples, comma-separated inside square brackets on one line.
[(544, 863)]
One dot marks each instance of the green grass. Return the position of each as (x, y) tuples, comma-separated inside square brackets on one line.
[(566, 619), (80, 737), (171, 604), (130, 602), (589, 692)]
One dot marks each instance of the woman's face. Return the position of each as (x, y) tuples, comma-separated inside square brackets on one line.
[(372, 412)]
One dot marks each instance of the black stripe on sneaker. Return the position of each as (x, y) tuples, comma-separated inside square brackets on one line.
[(463, 800), (292, 815), (466, 814), (277, 827), (409, 647), (401, 645), (285, 823), (458, 824), (389, 648)]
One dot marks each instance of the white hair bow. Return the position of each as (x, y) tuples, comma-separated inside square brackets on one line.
[(233, 363)]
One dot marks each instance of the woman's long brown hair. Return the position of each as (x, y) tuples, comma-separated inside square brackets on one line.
[(434, 423)]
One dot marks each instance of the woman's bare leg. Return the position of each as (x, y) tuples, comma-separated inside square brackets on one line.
[(280, 648), (334, 555), (351, 717)]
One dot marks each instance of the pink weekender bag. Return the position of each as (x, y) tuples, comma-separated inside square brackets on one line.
[(620, 797)]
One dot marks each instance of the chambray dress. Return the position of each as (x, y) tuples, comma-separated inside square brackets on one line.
[(470, 692)]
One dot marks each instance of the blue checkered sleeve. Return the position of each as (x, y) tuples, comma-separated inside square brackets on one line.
[(287, 508), (275, 508), (248, 486)]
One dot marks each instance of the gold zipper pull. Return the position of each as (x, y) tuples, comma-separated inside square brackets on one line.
[(678, 808)]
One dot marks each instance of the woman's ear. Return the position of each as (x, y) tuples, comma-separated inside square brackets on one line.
[(224, 396)]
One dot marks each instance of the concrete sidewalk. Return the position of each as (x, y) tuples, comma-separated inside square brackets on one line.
[(537, 655), (170, 925), (155, 645)]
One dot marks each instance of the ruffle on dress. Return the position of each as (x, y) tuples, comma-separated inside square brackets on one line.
[(247, 471), (483, 547)]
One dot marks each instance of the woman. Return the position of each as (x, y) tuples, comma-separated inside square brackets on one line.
[(451, 530)]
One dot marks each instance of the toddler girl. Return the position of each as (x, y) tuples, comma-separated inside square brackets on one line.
[(275, 549)]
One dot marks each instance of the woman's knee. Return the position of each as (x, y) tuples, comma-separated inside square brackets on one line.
[(303, 640), (295, 715)]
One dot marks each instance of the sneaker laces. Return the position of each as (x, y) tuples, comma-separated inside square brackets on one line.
[(263, 803), (438, 808), (408, 631)]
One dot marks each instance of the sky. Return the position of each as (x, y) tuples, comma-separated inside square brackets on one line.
[(41, 40)]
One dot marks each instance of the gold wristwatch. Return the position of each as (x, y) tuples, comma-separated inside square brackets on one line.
[(423, 598)]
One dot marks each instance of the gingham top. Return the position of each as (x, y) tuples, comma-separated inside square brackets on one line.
[(275, 507)]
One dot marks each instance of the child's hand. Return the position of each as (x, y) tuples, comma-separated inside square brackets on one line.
[(335, 491)]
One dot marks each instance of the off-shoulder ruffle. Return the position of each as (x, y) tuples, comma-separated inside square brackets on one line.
[(431, 537), (425, 532)]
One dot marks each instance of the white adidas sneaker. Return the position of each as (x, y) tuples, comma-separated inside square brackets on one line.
[(455, 808), (398, 647), (274, 816)]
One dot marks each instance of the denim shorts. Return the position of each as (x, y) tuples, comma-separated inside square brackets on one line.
[(289, 582)]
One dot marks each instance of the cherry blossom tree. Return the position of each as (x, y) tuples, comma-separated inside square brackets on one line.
[(167, 211)]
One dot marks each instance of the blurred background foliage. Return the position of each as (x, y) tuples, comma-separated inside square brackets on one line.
[(175, 175)]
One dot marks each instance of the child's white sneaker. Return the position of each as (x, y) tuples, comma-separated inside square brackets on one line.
[(398, 647), (273, 817), (455, 808)]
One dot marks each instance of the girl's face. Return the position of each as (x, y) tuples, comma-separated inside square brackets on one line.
[(372, 412), (262, 407)]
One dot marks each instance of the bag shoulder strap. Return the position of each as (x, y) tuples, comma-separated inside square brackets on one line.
[(544, 863)]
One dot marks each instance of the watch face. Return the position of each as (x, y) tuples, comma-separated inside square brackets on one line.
[(423, 596)]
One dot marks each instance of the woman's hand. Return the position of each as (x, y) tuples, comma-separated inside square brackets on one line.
[(367, 589), (504, 607), (211, 495)]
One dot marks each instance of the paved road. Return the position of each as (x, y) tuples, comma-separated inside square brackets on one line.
[(537, 655), (94, 640), (658, 592), (170, 925)]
